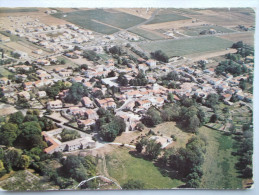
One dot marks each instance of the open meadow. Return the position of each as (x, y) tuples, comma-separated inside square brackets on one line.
[(122, 166), (219, 164)]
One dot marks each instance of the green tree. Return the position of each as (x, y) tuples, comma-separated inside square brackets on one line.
[(30, 136), (67, 135), (153, 149), (133, 185), (16, 118), (13, 156), (152, 118), (76, 92), (91, 55), (24, 162), (159, 55), (212, 99), (8, 134), (1, 166)]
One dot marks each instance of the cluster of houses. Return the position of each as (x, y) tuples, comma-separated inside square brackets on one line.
[(135, 100)]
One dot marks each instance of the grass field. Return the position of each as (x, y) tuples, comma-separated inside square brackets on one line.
[(170, 128), (219, 165), (100, 20), (6, 10), (195, 31), (122, 166), (146, 34), (167, 18), (183, 47)]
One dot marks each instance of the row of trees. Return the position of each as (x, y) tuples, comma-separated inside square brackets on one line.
[(230, 66), (245, 151)]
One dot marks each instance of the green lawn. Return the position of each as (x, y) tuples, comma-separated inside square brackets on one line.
[(89, 19), (167, 18), (189, 46), (146, 34), (122, 166), (219, 165), (170, 128)]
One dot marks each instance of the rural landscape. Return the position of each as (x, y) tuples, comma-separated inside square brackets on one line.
[(126, 98)]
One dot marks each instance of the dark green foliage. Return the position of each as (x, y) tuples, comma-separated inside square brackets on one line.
[(139, 53), (22, 102), (30, 136), (122, 80), (116, 50), (214, 118), (111, 74), (133, 185), (238, 44), (152, 117), (16, 118), (153, 149), (91, 55), (212, 99), (140, 80), (12, 157), (242, 84), (76, 92), (160, 56), (115, 126), (53, 90), (230, 66), (67, 135), (79, 168), (8, 134), (139, 147)]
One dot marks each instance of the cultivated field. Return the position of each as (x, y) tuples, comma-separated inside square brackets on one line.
[(167, 18), (102, 21), (195, 31), (219, 165), (147, 34), (189, 46), (16, 10), (179, 11), (247, 38), (122, 166), (140, 12), (225, 17)]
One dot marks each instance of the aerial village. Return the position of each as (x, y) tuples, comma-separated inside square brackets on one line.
[(74, 76)]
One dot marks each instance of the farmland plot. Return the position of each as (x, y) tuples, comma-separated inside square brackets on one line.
[(100, 20), (167, 18), (183, 47), (146, 34)]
